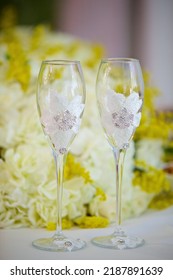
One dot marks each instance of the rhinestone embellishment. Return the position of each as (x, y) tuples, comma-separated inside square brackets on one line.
[(68, 244), (123, 119), (62, 151), (65, 120)]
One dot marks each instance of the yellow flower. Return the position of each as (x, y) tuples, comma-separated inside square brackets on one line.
[(153, 124), (162, 201), (18, 66), (66, 224), (156, 127), (150, 179), (101, 194), (168, 151), (72, 48), (74, 168), (92, 222), (97, 53), (54, 50), (51, 226), (37, 36)]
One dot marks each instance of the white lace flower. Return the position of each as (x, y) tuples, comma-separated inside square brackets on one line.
[(121, 116), (61, 120)]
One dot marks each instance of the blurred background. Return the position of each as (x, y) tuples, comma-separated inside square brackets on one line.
[(141, 29)]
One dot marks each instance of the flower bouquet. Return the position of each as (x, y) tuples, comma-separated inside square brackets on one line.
[(27, 179)]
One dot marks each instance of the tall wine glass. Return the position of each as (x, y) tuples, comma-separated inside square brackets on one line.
[(60, 100), (119, 90)]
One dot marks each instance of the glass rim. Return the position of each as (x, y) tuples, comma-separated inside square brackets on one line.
[(60, 62), (119, 59)]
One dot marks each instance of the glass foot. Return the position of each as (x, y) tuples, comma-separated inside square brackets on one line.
[(59, 243), (118, 240)]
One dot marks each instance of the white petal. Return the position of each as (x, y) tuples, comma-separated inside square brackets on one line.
[(115, 100), (57, 102), (133, 102), (106, 119), (48, 123), (122, 136), (62, 140), (137, 119), (76, 106), (46, 117), (77, 126)]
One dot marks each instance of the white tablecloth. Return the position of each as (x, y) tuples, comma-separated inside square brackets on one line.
[(155, 227)]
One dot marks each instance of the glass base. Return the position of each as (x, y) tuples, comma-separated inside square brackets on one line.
[(118, 240), (59, 243)]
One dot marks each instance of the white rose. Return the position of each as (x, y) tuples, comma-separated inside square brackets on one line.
[(151, 151)]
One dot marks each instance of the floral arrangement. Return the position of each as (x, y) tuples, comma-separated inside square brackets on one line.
[(27, 173)]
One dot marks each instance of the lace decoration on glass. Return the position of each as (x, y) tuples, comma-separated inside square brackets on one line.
[(62, 120), (121, 116)]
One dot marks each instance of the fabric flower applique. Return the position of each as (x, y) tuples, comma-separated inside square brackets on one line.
[(61, 120), (121, 116)]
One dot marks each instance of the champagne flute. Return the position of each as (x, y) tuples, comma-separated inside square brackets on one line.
[(60, 101), (119, 90)]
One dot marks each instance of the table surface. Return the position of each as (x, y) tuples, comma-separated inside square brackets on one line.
[(155, 227)]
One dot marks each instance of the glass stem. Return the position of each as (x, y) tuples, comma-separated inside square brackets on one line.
[(119, 155), (59, 164)]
